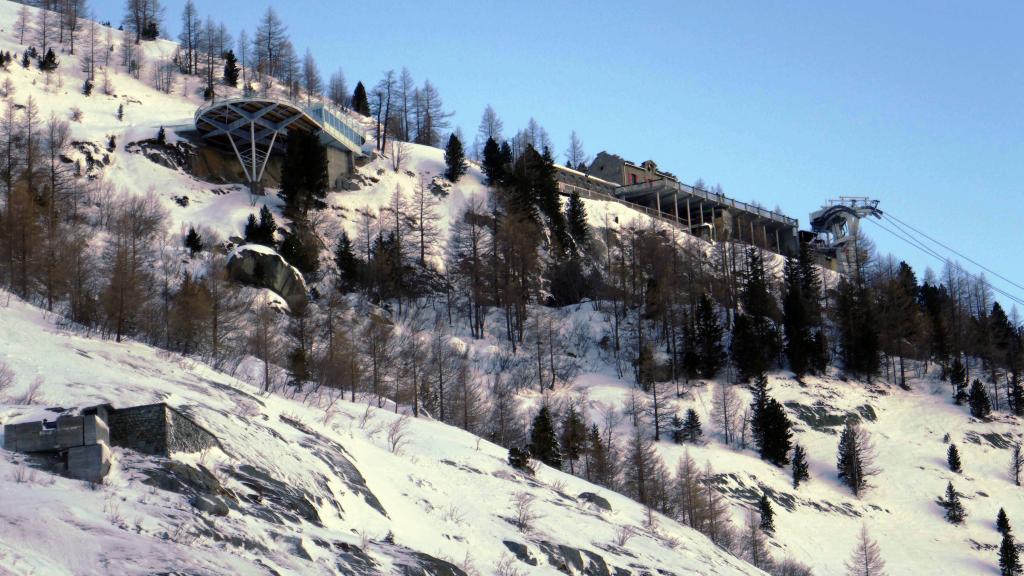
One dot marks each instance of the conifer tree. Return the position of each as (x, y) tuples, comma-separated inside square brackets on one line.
[(708, 335), (1016, 462), (299, 249), (161, 136), (346, 261), (767, 514), (576, 220), (958, 378), (543, 441), (692, 431), (1009, 557), (855, 459), (573, 437), (263, 231), (953, 459), (800, 471), (978, 399), (360, 103), (955, 512), (866, 558), (48, 63), (600, 462), (758, 406), (1002, 522), (755, 340), (304, 175), (193, 241), (799, 342), (493, 164), (858, 332), (676, 425), (231, 69), (454, 159), (777, 437)]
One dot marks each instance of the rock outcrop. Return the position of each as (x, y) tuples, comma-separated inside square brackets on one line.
[(261, 266)]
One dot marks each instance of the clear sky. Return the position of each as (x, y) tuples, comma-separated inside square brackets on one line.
[(919, 104)]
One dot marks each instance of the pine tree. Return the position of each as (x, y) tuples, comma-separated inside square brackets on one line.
[(953, 459), (755, 340), (981, 407), (692, 431), (799, 344), (576, 220), (958, 378), (1002, 522), (493, 163), (193, 241), (543, 442), (346, 261), (161, 136), (454, 159), (1016, 462), (866, 558), (48, 63), (767, 514), (800, 471), (231, 69), (855, 459), (120, 114), (87, 87), (263, 231), (758, 406), (360, 103), (708, 335), (678, 436), (573, 437), (955, 512), (299, 249), (777, 437), (600, 463), (1009, 557)]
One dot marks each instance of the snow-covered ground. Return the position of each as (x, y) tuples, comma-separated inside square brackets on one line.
[(446, 493)]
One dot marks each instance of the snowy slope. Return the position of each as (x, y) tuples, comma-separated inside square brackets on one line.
[(441, 509), (445, 493)]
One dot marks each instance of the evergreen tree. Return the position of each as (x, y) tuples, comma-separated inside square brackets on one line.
[(346, 261), (767, 514), (678, 436), (955, 512), (543, 442), (25, 62), (755, 340), (454, 159), (777, 437), (299, 249), (298, 367), (692, 431), (858, 331), (855, 458), (120, 115), (1009, 557), (263, 231), (708, 335), (981, 407), (48, 63), (958, 378), (304, 175), (360, 103), (600, 464), (1002, 522), (193, 241), (800, 471), (87, 87), (161, 136), (758, 407), (574, 437), (799, 342), (231, 69), (953, 459), (493, 163), (519, 459), (576, 220)]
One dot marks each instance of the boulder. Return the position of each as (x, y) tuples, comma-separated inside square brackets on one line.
[(261, 266), (596, 500)]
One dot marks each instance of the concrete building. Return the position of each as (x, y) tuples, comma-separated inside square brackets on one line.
[(80, 445), (701, 212)]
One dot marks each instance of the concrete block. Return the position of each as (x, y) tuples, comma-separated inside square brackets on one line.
[(89, 463), (70, 431), (25, 437), (96, 430)]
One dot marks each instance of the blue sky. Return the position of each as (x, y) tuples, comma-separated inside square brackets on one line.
[(918, 104)]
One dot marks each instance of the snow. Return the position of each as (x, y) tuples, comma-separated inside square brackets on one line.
[(446, 492)]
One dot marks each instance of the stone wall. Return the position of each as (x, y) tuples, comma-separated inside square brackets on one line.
[(184, 435), (141, 428)]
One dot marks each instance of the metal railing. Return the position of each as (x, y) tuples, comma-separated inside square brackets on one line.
[(721, 199)]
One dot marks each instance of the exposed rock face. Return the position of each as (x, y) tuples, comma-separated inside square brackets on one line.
[(262, 266)]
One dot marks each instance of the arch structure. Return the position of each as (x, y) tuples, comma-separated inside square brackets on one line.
[(256, 128)]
